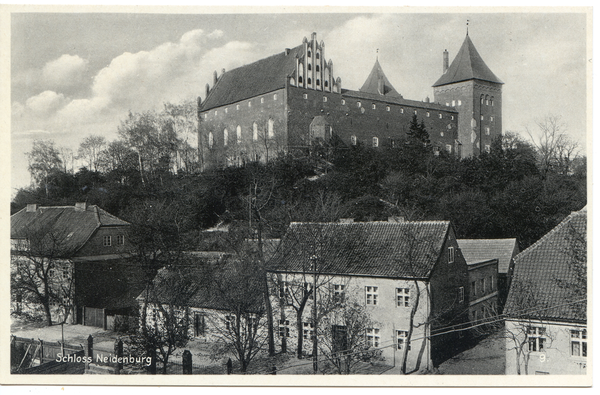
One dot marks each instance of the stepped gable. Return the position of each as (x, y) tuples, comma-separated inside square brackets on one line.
[(263, 76), (467, 65), (378, 83), (546, 282)]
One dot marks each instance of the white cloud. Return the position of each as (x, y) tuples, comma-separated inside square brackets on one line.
[(45, 103), (66, 71)]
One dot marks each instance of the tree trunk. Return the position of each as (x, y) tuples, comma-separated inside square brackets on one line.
[(300, 333), (48, 313)]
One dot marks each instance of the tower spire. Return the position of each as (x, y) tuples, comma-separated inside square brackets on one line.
[(467, 27)]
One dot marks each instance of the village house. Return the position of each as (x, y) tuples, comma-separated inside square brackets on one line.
[(409, 277), (546, 309), (503, 250), (91, 270)]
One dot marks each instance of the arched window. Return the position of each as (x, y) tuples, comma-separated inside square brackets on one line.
[(317, 56), (492, 101), (254, 131), (271, 128), (317, 66), (309, 67), (326, 84), (487, 100), (481, 100), (225, 137), (309, 81), (238, 134), (358, 104), (318, 82), (300, 79), (309, 53), (210, 140)]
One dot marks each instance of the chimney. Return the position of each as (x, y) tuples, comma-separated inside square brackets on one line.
[(199, 101), (222, 71), (207, 91), (427, 99), (346, 220), (287, 51), (215, 78), (395, 219), (445, 60), (32, 208), (81, 206)]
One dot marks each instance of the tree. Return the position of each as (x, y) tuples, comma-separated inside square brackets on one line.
[(41, 270), (90, 150), (44, 158), (556, 151), (184, 120)]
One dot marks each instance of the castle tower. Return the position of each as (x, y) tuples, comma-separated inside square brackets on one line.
[(377, 83), (474, 90)]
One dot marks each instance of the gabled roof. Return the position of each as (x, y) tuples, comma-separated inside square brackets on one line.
[(73, 225), (377, 83), (384, 249), (467, 65), (479, 250), (263, 76), (548, 280)]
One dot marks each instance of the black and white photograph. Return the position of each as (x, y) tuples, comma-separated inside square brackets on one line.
[(244, 193)]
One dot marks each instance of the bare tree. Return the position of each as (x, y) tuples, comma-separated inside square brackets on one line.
[(41, 269), (44, 158), (554, 148), (90, 150)]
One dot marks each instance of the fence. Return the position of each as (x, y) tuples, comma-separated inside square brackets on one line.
[(30, 356)]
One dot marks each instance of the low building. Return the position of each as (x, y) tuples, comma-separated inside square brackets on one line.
[(408, 278), (92, 273), (483, 291), (546, 309), (503, 250)]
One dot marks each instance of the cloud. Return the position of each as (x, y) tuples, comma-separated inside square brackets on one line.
[(45, 103), (64, 72)]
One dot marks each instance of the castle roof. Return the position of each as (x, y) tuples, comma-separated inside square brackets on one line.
[(549, 280), (382, 249), (378, 83), (479, 250), (399, 100), (467, 65), (263, 76)]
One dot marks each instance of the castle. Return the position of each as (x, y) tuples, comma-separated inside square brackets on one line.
[(292, 101)]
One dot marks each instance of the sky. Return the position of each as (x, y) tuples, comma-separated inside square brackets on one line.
[(76, 74)]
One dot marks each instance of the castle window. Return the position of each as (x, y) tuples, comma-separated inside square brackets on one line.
[(492, 101), (442, 134), (317, 67), (254, 131), (358, 104), (387, 108), (205, 115), (300, 79), (415, 112), (481, 100), (305, 96), (271, 128), (459, 102), (317, 56), (482, 117), (326, 84), (238, 134), (309, 67), (374, 106), (447, 104), (292, 81), (262, 100), (249, 104), (275, 96), (225, 137), (318, 82), (309, 53), (487, 100), (427, 114), (375, 142), (309, 81), (440, 116), (436, 151), (487, 131), (491, 119), (324, 99), (401, 111), (215, 113), (452, 117), (343, 101), (237, 107), (226, 110), (353, 140), (453, 103), (210, 140)]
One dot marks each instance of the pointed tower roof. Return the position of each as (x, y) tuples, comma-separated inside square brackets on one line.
[(377, 83), (467, 65)]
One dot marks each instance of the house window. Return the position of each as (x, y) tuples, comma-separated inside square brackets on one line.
[(461, 294), (481, 117), (254, 131), (401, 339), (402, 297), (579, 342), (229, 322), (371, 295), (375, 142), (210, 140), (442, 134), (450, 254), (415, 112), (215, 113), (536, 336), (452, 117), (449, 149), (387, 108), (284, 328), (482, 285), (339, 292), (447, 104), (324, 99), (307, 291), (225, 137), (120, 240), (305, 96), (373, 337), (199, 324), (205, 115), (308, 330), (487, 131), (436, 151), (374, 106), (284, 289), (353, 140), (473, 288), (106, 241), (488, 148)]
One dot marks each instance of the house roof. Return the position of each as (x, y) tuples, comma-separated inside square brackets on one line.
[(377, 83), (399, 250), (479, 250), (467, 65), (73, 225), (217, 282), (548, 282), (263, 76)]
